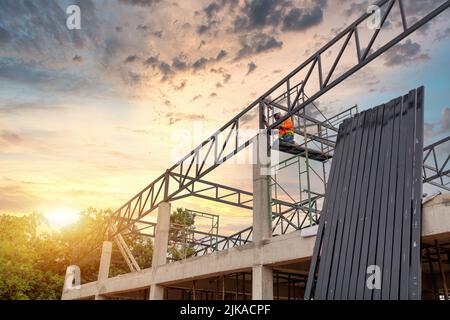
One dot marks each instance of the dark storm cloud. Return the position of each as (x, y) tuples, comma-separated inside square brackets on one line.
[(300, 19), (210, 14), (256, 43), (278, 14), (405, 53), (200, 63), (259, 14)]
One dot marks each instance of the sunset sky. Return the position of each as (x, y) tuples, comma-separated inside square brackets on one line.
[(89, 117)]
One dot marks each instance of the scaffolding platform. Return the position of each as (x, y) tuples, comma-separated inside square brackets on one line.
[(297, 150)]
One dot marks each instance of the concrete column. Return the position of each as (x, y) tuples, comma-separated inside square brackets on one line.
[(262, 283), (105, 261), (156, 292), (262, 220), (160, 246)]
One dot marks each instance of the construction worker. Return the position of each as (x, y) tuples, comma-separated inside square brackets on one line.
[(286, 129)]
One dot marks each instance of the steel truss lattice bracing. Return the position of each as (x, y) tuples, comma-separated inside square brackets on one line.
[(294, 96), (226, 142)]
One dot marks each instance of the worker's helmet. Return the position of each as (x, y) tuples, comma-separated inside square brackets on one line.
[(277, 115)]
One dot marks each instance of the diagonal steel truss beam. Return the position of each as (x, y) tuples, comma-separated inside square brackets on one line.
[(436, 170), (226, 142)]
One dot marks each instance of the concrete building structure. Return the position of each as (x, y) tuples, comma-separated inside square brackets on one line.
[(270, 267)]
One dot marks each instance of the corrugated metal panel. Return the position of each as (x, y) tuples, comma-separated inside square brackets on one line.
[(372, 210)]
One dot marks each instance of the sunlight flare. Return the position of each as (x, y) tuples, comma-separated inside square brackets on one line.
[(60, 218)]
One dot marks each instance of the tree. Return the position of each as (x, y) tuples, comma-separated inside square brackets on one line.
[(22, 273), (181, 234), (33, 263)]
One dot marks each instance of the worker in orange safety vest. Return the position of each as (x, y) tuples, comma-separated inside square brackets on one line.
[(286, 129)]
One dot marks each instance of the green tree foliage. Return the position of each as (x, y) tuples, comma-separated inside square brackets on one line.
[(33, 263), (182, 225)]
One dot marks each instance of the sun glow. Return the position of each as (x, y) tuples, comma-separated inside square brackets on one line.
[(60, 218)]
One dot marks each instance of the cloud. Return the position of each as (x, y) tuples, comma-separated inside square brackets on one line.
[(9, 137), (142, 27), (201, 29), (4, 36), (221, 55), (356, 8), (302, 19), (55, 80), (28, 107), (200, 64), (420, 7), (158, 34), (131, 59), (226, 77), (256, 43), (251, 67), (141, 3), (177, 117), (179, 62), (77, 59), (151, 61), (163, 67), (16, 198), (404, 54), (33, 27), (445, 120), (257, 15), (442, 126), (442, 34), (180, 86), (197, 97), (210, 12)]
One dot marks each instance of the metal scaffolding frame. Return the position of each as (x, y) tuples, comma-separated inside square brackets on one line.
[(186, 177)]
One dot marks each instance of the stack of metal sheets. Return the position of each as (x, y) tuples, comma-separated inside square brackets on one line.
[(368, 242)]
